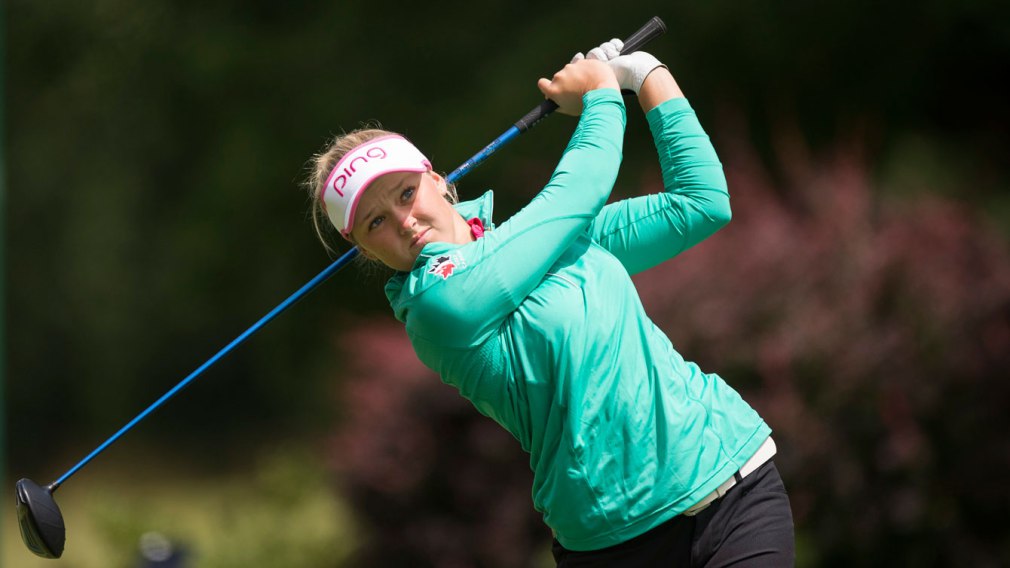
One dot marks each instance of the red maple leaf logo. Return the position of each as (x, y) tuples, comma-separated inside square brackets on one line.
[(444, 267)]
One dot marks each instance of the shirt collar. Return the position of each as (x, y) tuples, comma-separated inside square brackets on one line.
[(482, 208)]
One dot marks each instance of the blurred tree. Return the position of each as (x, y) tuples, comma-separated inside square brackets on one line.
[(872, 334), (435, 483), (154, 152)]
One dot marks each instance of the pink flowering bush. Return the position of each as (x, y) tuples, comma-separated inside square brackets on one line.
[(872, 334), (435, 483), (874, 337)]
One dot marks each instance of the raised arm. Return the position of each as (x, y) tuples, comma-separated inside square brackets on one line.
[(659, 86), (645, 231), (509, 262)]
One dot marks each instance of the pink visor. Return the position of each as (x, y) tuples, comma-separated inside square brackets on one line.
[(360, 167)]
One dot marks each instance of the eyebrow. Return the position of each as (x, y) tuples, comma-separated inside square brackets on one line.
[(391, 189)]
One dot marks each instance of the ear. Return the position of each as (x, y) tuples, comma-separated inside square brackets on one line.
[(361, 249), (365, 253), (439, 181)]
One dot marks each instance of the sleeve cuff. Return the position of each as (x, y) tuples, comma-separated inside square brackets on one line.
[(666, 108), (601, 95)]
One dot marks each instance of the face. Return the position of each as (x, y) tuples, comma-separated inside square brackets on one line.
[(400, 212)]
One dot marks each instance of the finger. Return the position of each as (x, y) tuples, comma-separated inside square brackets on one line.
[(610, 50), (545, 86), (618, 44), (578, 57), (596, 53)]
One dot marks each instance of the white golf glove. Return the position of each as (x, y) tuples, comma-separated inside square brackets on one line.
[(631, 70)]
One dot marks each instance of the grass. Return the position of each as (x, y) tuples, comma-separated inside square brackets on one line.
[(282, 511)]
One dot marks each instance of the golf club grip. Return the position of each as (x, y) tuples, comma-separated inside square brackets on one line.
[(650, 31)]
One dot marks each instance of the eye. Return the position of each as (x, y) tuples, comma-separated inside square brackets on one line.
[(375, 222), (408, 193)]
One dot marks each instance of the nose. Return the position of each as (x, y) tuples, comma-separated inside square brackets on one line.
[(405, 219)]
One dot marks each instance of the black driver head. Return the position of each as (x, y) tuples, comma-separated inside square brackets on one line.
[(40, 519)]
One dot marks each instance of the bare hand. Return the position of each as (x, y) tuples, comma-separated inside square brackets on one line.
[(574, 80)]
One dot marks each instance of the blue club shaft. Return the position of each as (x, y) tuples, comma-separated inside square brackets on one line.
[(291, 300), (652, 29), (479, 157), (332, 269)]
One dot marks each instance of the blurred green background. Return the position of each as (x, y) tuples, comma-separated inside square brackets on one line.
[(153, 154)]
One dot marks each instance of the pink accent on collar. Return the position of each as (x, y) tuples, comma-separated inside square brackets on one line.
[(476, 228)]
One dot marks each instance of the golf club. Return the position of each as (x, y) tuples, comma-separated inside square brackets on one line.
[(39, 517)]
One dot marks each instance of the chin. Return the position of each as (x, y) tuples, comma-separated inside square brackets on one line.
[(408, 263)]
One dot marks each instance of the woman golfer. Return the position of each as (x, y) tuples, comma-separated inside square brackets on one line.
[(639, 457)]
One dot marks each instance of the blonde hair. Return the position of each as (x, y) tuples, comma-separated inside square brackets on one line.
[(321, 164)]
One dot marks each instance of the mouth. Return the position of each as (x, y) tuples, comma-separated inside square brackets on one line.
[(418, 238)]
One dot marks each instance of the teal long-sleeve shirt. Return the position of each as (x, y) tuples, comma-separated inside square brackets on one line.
[(539, 325)]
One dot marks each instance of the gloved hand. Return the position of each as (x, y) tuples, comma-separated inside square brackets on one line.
[(631, 70)]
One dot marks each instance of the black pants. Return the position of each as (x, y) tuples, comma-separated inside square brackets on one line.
[(752, 525)]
